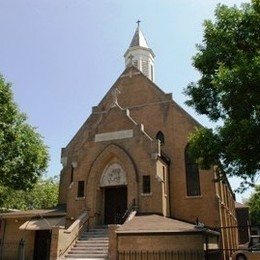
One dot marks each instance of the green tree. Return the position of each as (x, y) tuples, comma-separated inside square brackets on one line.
[(254, 206), (23, 156), (228, 92), (43, 195)]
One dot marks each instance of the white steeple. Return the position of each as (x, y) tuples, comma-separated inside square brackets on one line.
[(140, 55)]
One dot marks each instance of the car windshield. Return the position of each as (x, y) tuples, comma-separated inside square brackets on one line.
[(255, 247)]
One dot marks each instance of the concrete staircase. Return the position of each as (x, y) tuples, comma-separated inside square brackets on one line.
[(92, 244)]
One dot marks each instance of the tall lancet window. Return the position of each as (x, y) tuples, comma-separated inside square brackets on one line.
[(160, 136), (192, 175)]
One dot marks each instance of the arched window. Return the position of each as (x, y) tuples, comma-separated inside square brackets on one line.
[(192, 174), (160, 136)]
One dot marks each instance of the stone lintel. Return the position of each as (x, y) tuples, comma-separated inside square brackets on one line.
[(114, 135)]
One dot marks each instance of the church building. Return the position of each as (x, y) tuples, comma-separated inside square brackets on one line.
[(128, 175)]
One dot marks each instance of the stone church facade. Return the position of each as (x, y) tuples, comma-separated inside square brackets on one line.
[(129, 167), (133, 150)]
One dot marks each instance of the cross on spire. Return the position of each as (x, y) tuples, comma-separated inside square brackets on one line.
[(139, 53)]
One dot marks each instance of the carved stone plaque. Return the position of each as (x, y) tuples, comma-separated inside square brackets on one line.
[(113, 175)]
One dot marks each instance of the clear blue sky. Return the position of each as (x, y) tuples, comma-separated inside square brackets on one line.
[(62, 56)]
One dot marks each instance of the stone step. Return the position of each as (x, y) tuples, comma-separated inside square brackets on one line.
[(95, 233), (87, 251), (90, 247), (85, 248), (86, 236), (94, 236), (91, 250), (86, 256), (92, 244), (93, 240), (96, 230)]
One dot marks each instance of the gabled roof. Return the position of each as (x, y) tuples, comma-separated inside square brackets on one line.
[(107, 102)]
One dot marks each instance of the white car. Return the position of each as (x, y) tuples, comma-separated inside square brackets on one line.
[(252, 253)]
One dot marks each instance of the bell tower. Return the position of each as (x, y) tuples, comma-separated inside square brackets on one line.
[(140, 55)]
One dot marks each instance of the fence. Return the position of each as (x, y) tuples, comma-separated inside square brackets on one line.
[(161, 255), (14, 250)]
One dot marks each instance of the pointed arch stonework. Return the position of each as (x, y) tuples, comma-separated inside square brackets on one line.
[(113, 167), (113, 175)]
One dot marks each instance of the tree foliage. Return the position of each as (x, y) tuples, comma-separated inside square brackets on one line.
[(23, 156), (43, 195), (228, 92), (254, 206)]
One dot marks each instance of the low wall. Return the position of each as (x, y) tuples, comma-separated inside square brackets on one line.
[(63, 239), (160, 241), (165, 255), (164, 245)]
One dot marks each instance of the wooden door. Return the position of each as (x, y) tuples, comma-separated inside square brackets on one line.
[(115, 204), (42, 244)]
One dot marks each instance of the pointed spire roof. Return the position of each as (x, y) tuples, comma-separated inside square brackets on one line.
[(140, 55), (138, 39)]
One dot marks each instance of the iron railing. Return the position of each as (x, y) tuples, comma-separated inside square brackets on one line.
[(128, 211)]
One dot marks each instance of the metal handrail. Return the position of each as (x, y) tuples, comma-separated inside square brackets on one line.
[(128, 211), (83, 225)]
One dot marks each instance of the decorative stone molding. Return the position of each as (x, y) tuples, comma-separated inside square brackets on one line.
[(113, 175)]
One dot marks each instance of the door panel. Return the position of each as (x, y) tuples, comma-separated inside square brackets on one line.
[(115, 204), (42, 244)]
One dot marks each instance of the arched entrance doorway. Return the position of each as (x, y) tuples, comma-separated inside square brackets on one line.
[(115, 204), (114, 184)]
